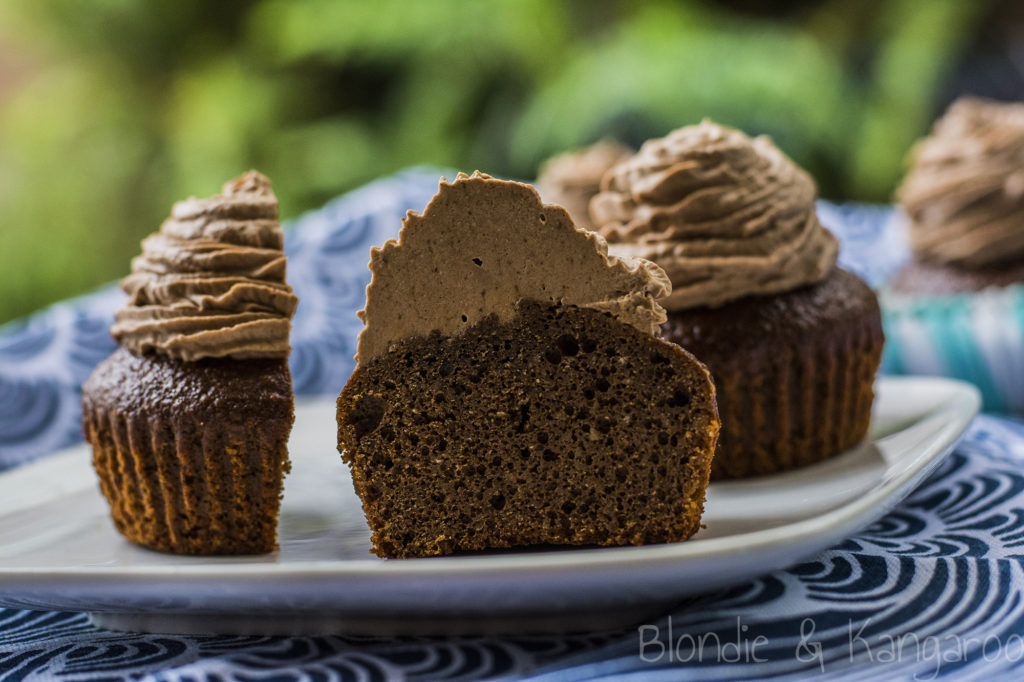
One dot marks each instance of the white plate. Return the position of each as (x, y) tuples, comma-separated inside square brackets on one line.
[(59, 550)]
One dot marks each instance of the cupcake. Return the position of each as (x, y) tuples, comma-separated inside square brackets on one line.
[(792, 341), (572, 179), (510, 389), (189, 418), (957, 308)]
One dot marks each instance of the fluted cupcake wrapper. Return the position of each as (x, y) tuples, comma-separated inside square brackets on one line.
[(976, 337), (800, 406), (183, 488)]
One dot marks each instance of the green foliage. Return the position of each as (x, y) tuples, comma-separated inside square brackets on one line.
[(119, 107), (665, 68), (922, 39)]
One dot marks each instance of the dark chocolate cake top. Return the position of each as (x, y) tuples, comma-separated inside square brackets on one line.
[(211, 282), (964, 193), (725, 215), (481, 246)]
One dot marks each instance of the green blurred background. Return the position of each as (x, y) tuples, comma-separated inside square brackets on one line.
[(112, 109)]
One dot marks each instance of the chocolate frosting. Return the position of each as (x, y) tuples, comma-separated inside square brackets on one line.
[(211, 282), (964, 194), (481, 246), (726, 216), (572, 179)]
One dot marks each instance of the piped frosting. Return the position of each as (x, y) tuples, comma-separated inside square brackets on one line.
[(725, 215), (572, 179), (211, 282), (964, 193)]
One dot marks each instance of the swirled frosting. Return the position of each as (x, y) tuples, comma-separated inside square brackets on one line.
[(725, 215), (572, 179), (964, 194), (211, 282)]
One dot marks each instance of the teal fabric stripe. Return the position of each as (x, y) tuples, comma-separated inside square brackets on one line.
[(892, 351), (1018, 310), (1016, 316), (949, 323)]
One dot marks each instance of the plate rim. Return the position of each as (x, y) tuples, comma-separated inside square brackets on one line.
[(962, 405)]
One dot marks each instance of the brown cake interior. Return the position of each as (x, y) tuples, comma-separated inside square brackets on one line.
[(174, 483), (561, 426), (794, 372)]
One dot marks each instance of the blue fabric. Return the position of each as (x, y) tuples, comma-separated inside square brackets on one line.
[(933, 590)]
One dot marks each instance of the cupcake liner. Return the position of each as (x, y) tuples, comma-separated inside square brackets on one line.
[(800, 406), (183, 488), (794, 372), (976, 337)]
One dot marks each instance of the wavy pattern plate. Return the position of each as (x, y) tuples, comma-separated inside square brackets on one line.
[(58, 549)]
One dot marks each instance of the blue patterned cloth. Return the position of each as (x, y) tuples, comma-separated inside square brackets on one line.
[(933, 590)]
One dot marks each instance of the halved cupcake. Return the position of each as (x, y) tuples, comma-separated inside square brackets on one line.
[(511, 390), (189, 419)]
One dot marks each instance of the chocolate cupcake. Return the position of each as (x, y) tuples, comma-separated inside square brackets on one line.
[(189, 418), (792, 341), (572, 179), (510, 389), (956, 308)]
